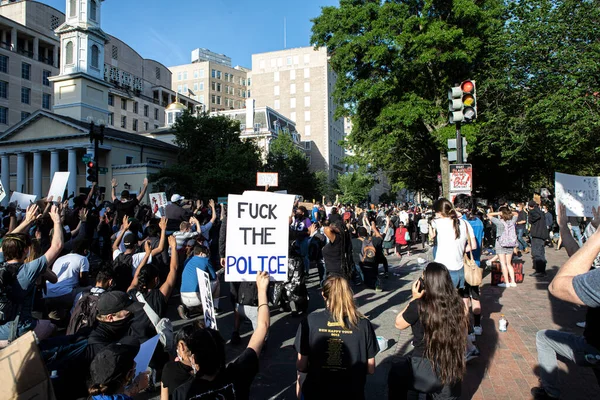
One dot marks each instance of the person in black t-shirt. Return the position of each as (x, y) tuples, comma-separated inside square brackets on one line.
[(336, 347), (176, 373), (213, 378), (438, 340), (126, 205)]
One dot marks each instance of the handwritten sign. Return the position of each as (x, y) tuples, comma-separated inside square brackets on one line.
[(578, 193), (210, 319), (23, 200), (267, 179), (158, 202), (58, 186), (257, 235), (461, 178)]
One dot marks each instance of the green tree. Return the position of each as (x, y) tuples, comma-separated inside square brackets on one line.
[(395, 62), (212, 161), (287, 159), (355, 186)]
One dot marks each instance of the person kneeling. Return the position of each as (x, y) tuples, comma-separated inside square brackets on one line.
[(190, 287)]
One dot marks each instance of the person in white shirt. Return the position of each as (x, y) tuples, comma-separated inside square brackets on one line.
[(423, 229), (72, 271)]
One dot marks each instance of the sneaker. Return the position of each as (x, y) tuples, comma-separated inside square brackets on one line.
[(218, 311), (235, 338), (182, 311), (378, 288), (470, 355), (504, 285), (538, 274), (513, 284), (477, 330), (539, 393), (581, 324)]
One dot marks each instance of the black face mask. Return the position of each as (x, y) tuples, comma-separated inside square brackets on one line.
[(118, 328)]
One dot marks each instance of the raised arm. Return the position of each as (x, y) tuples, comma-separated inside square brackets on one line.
[(264, 318), (163, 233), (124, 228), (30, 216), (147, 252), (90, 194), (211, 204), (113, 184), (565, 232), (57, 237), (143, 191), (167, 287)]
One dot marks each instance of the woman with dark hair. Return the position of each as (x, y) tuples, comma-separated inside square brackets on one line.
[(176, 373), (336, 347), (333, 251), (505, 230), (439, 323)]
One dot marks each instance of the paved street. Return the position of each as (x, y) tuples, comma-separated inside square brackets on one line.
[(508, 362)]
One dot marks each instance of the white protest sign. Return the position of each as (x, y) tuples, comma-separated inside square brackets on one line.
[(267, 179), (578, 193), (23, 200), (2, 192), (210, 320), (257, 236), (142, 360), (58, 185), (158, 202)]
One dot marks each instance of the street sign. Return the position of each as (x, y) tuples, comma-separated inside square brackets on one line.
[(102, 170), (86, 159), (461, 178)]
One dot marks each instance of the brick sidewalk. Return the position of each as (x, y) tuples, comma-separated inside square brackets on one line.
[(507, 368)]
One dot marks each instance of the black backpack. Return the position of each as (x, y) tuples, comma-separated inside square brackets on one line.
[(9, 309), (123, 267), (85, 312), (368, 252)]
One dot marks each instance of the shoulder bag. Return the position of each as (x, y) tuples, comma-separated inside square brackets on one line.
[(473, 274)]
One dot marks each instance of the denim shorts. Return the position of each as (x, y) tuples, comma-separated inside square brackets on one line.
[(458, 278)]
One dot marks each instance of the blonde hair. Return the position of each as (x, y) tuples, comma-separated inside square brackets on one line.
[(340, 301), (184, 225)]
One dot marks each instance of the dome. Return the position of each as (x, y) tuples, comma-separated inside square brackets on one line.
[(177, 106)]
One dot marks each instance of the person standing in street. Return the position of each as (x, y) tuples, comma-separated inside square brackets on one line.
[(539, 233), (521, 227)]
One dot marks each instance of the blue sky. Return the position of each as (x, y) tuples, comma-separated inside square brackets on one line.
[(167, 31)]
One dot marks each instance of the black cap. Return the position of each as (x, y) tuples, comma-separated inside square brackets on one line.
[(114, 362), (532, 203), (125, 194), (115, 301), (129, 239)]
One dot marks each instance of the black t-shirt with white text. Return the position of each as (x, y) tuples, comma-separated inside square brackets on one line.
[(125, 208)]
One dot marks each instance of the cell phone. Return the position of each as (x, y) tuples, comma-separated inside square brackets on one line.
[(421, 284)]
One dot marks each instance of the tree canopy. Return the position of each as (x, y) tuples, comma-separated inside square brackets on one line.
[(355, 186)]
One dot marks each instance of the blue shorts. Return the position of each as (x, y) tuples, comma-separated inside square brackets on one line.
[(458, 278)]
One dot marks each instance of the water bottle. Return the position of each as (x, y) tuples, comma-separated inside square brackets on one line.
[(502, 324)]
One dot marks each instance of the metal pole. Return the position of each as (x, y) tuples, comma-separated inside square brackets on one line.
[(459, 147)]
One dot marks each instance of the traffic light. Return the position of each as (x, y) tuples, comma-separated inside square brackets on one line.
[(92, 176), (463, 103)]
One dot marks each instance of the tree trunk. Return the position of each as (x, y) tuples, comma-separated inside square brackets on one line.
[(445, 172)]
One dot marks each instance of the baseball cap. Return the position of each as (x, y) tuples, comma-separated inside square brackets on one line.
[(532, 203), (115, 301), (115, 361), (129, 239), (176, 197)]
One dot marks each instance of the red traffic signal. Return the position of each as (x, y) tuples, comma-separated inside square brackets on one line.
[(91, 164)]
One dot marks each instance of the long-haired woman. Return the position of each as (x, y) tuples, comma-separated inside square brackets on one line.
[(336, 346), (505, 222), (438, 321)]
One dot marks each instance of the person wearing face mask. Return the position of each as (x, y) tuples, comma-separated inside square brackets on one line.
[(176, 373)]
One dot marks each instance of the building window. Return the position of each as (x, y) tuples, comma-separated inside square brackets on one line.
[(4, 89), (156, 113), (195, 74), (135, 107), (307, 72), (146, 110), (292, 74), (95, 54), (185, 89), (124, 104), (26, 71), (24, 114), (293, 88), (72, 8), (307, 101), (306, 87), (146, 127), (179, 88), (249, 81), (273, 63), (276, 105), (201, 98), (25, 95), (4, 64), (218, 74), (293, 116), (135, 125), (111, 119), (46, 100), (306, 116), (185, 75), (3, 115), (157, 72), (202, 73), (123, 122), (213, 99), (289, 61), (196, 87), (115, 52), (111, 100), (262, 64), (280, 62), (179, 76), (293, 102), (153, 161), (248, 94), (93, 11), (219, 100), (45, 76), (276, 90), (128, 160), (306, 130), (276, 76), (307, 59), (296, 60), (69, 53), (213, 85), (218, 87), (213, 73)]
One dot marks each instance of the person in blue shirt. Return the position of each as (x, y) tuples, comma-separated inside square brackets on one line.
[(190, 287)]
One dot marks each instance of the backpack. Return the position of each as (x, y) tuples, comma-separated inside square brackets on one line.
[(123, 267), (85, 312), (9, 309), (163, 326), (367, 252), (509, 236)]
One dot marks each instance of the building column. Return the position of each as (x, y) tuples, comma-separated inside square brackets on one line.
[(72, 183), (13, 39), (21, 171), (36, 48), (5, 176), (37, 174), (54, 163), (55, 57)]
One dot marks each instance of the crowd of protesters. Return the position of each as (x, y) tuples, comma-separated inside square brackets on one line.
[(92, 280)]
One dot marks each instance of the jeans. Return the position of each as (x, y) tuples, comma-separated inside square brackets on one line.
[(414, 375), (303, 244), (576, 231), (570, 346), (538, 254), (520, 238)]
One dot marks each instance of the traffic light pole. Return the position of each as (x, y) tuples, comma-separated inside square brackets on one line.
[(459, 146)]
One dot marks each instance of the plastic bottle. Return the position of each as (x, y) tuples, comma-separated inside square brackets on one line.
[(502, 324)]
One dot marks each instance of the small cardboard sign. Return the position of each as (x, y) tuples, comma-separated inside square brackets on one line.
[(270, 179), (158, 202), (23, 200), (578, 193), (210, 319), (58, 185)]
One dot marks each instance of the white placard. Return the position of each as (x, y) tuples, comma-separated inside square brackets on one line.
[(578, 193), (158, 202), (267, 179), (58, 186), (2, 192), (210, 319), (142, 360), (23, 200), (257, 235)]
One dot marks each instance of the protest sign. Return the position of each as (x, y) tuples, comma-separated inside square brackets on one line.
[(257, 235), (142, 360), (578, 193), (267, 179), (210, 319), (158, 202), (461, 178), (58, 185), (2, 192), (23, 200), (23, 374), (222, 200)]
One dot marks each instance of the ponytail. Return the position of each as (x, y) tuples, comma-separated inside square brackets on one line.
[(340, 301), (446, 209), (455, 223)]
